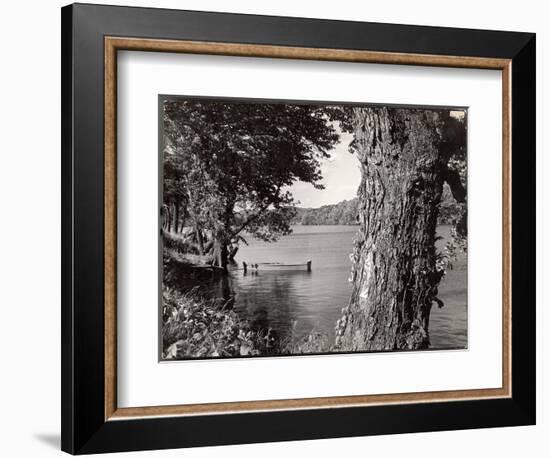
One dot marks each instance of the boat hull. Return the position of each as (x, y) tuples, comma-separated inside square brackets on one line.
[(276, 266)]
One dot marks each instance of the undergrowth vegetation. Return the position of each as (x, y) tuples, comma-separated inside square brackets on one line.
[(195, 327)]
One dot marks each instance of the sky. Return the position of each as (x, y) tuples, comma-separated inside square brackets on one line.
[(341, 177)]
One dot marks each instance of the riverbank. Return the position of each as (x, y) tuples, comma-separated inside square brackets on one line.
[(195, 327)]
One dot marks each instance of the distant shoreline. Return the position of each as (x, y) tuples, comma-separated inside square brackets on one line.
[(343, 213)]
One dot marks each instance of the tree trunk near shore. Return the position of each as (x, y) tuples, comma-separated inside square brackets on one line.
[(167, 217), (220, 253), (200, 240), (233, 253), (176, 217), (394, 272)]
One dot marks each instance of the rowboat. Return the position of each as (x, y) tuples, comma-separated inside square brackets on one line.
[(276, 266)]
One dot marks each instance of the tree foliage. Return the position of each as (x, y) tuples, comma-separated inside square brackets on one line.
[(230, 164)]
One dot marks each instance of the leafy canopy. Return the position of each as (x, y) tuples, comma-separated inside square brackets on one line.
[(231, 163)]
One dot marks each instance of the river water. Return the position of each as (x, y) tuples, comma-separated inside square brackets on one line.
[(301, 302)]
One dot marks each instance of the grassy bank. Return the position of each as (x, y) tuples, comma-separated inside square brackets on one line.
[(195, 327)]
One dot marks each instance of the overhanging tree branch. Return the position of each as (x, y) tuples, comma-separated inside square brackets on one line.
[(452, 178), (260, 212)]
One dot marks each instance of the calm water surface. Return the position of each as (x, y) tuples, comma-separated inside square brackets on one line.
[(300, 302)]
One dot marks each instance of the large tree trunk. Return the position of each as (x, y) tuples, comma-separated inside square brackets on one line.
[(394, 271)]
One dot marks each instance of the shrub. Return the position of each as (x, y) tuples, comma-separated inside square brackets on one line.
[(314, 342), (178, 243), (194, 327)]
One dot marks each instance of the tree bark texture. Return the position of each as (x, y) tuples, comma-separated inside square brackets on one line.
[(394, 273)]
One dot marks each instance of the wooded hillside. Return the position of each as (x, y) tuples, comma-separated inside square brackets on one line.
[(345, 212)]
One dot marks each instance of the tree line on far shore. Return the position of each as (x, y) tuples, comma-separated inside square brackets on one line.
[(345, 213)]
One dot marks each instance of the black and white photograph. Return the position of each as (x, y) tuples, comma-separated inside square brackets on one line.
[(295, 228)]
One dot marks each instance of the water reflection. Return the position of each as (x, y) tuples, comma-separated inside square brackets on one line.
[(272, 300)]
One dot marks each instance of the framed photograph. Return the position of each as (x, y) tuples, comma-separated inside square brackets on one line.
[(274, 221)]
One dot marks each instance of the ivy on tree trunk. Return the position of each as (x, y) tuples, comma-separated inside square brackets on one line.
[(394, 272)]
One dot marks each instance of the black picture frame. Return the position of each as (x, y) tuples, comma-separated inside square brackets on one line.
[(84, 427)]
